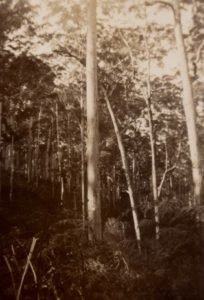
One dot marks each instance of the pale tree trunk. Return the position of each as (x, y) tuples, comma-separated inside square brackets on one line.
[(61, 190), (147, 98), (93, 180), (189, 107), (154, 172), (134, 172), (188, 101), (127, 173)]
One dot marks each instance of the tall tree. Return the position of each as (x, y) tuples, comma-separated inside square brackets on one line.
[(93, 190), (188, 100), (189, 106)]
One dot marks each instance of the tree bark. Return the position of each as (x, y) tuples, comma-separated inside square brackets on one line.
[(83, 200), (154, 172), (127, 173), (93, 180), (189, 107)]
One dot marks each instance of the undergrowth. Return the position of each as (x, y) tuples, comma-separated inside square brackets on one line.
[(68, 266)]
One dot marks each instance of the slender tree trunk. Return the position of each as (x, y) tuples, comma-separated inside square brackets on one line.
[(47, 156), (29, 166), (126, 170), (134, 172), (68, 152), (83, 200), (114, 186), (11, 168), (1, 158), (60, 179), (58, 148), (154, 172), (38, 147), (52, 159), (93, 180), (61, 190), (189, 107), (147, 98)]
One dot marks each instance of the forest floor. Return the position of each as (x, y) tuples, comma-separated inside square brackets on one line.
[(64, 265)]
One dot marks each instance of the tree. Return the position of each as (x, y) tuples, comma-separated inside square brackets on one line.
[(126, 170), (188, 100), (93, 189), (189, 106)]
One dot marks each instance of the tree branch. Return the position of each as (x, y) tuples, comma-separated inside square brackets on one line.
[(128, 47), (167, 170), (170, 3), (198, 55), (163, 179), (63, 50)]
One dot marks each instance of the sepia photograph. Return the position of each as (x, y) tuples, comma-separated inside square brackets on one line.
[(101, 149)]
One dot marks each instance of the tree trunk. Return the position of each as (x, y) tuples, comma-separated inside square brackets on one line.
[(29, 159), (1, 158), (60, 178), (11, 168), (152, 140), (154, 172), (126, 170), (38, 147), (83, 201), (58, 148), (93, 180), (52, 159), (189, 107), (68, 152), (47, 156)]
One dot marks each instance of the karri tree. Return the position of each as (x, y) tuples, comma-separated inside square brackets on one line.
[(93, 190)]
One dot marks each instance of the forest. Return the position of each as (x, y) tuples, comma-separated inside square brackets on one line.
[(101, 150)]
